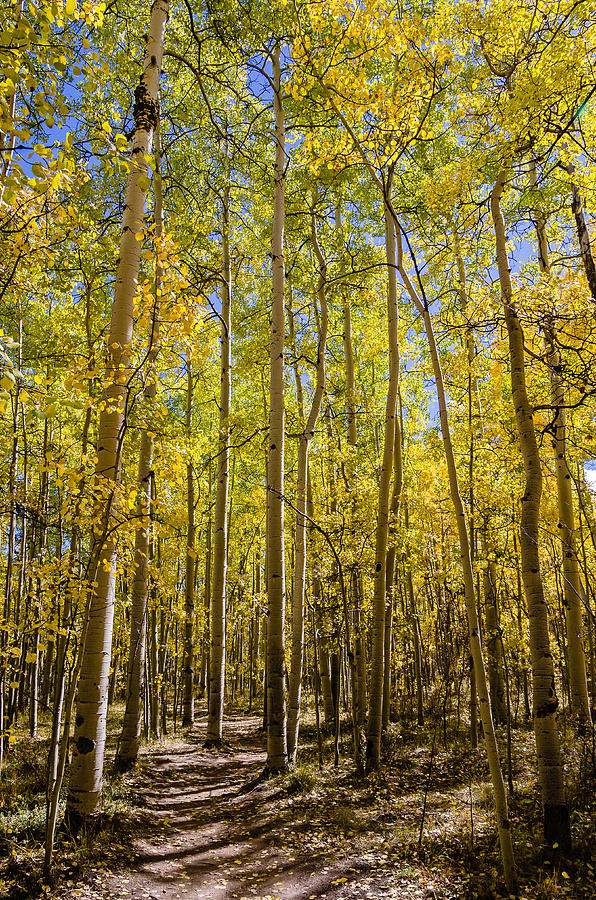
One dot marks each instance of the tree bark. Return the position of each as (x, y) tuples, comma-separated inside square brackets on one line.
[(545, 702), (188, 664), (128, 748), (217, 658), (375, 708), (304, 441), (572, 590), (494, 652), (84, 794), (492, 753), (277, 760)]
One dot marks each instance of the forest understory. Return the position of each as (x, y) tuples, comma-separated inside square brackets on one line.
[(195, 822)]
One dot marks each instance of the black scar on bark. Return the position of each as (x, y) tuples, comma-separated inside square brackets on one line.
[(547, 709), (145, 110), (79, 720), (85, 745), (557, 829)]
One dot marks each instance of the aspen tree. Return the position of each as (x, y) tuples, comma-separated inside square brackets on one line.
[(217, 660), (494, 652), (413, 616), (12, 526), (128, 748), (396, 496), (490, 741), (375, 708), (304, 441), (277, 760), (84, 792), (188, 663), (545, 702), (573, 597), (583, 235), (356, 580)]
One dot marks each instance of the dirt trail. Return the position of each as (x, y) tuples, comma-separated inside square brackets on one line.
[(203, 834)]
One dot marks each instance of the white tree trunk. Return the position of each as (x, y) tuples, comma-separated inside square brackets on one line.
[(217, 662), (276, 578), (128, 749), (84, 793), (188, 653), (545, 702), (492, 753), (580, 701), (375, 706), (304, 442)]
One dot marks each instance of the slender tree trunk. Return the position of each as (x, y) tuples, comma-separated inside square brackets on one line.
[(84, 795), (304, 441), (12, 524), (188, 665), (276, 701), (7, 140), (128, 748), (583, 235), (545, 702), (396, 496), (217, 661), (572, 592), (206, 650), (492, 753), (493, 646), (375, 709)]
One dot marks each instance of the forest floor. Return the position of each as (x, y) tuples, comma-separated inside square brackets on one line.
[(196, 823)]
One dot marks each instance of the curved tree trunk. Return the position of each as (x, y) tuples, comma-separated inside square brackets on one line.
[(84, 793), (492, 752), (545, 702)]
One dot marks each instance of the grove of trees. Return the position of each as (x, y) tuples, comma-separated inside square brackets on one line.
[(297, 393)]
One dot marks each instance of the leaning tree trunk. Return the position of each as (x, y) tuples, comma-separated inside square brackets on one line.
[(583, 235), (304, 442), (276, 592), (580, 701), (84, 793), (217, 661), (375, 707), (128, 748), (545, 702), (490, 741)]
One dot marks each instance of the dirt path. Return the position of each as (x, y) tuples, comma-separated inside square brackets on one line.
[(202, 834)]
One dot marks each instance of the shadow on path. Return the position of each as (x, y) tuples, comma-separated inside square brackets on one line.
[(203, 834)]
